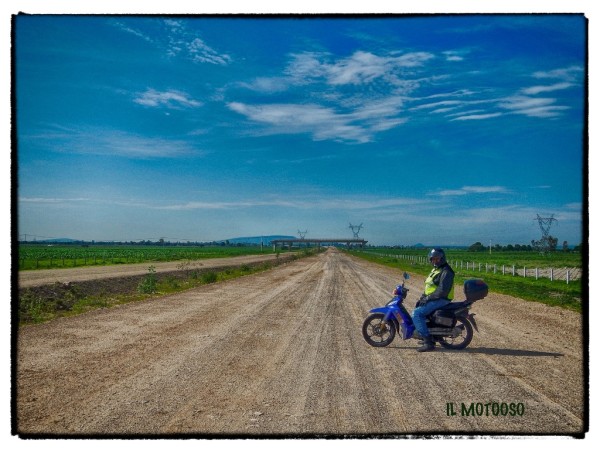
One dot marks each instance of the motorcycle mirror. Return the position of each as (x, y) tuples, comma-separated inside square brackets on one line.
[(406, 276)]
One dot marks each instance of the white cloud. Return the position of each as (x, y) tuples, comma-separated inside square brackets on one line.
[(266, 84), (48, 200), (457, 93), (577, 206), (533, 90), (378, 109), (130, 30), (442, 110), (477, 116), (326, 203), (200, 52), (169, 99), (182, 42), (533, 107), (133, 146), (453, 56), (438, 104), (345, 115), (543, 112), (571, 73), (465, 190), (446, 106), (360, 68), (325, 123), (178, 40), (110, 142)]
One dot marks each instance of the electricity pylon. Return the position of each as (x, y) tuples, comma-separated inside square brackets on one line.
[(355, 229), (545, 223), (547, 243)]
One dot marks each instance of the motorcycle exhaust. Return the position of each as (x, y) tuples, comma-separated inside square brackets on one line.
[(446, 332)]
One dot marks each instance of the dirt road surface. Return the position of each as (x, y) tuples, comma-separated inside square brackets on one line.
[(280, 353)]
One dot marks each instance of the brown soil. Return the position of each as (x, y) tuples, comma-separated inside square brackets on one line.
[(280, 353)]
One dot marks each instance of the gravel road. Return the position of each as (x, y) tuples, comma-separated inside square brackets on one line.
[(280, 353)]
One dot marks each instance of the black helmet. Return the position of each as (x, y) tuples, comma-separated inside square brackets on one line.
[(438, 252)]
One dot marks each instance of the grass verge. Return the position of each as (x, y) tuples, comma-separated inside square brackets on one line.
[(38, 305)]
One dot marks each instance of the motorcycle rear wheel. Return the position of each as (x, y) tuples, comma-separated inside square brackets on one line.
[(378, 332), (462, 340)]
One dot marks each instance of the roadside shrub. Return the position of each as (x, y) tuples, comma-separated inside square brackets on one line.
[(172, 282), (148, 284), (209, 277), (32, 309)]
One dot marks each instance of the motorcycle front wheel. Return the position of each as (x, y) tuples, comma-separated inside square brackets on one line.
[(378, 332), (463, 339)]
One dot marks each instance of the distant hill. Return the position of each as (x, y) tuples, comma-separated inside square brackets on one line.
[(257, 239), (254, 240), (58, 241)]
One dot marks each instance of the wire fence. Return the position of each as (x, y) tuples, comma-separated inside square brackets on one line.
[(567, 274)]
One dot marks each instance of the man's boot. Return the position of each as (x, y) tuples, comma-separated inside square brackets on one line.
[(428, 345)]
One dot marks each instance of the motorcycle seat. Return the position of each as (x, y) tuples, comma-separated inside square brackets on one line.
[(453, 306)]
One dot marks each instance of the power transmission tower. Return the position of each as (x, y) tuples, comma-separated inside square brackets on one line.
[(302, 234), (545, 223), (546, 243), (355, 229)]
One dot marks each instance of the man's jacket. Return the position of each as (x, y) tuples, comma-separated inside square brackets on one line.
[(440, 284)]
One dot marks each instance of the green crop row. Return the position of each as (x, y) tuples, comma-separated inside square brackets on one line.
[(33, 257)]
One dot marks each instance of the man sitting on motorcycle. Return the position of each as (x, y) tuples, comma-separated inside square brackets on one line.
[(439, 291)]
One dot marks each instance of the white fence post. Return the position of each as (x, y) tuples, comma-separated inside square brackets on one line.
[(544, 272)]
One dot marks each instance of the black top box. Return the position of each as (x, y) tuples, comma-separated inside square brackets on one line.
[(475, 289)]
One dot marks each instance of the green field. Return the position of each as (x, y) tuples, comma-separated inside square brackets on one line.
[(543, 290), (498, 258), (37, 256)]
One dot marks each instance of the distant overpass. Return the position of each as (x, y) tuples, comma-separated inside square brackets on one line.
[(319, 242)]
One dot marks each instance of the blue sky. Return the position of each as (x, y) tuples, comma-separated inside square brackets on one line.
[(436, 129)]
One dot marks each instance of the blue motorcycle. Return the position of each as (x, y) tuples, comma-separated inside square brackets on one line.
[(451, 326)]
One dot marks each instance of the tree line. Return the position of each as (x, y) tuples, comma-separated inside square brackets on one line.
[(551, 244)]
